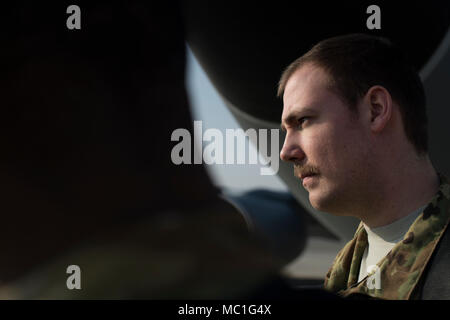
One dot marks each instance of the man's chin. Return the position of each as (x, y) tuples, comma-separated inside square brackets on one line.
[(321, 201), (315, 201), (317, 206)]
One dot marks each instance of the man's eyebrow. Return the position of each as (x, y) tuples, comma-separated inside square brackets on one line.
[(289, 120), (293, 117)]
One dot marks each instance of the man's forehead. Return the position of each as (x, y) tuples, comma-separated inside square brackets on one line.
[(308, 76), (304, 88)]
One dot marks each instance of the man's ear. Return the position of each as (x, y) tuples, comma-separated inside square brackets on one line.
[(379, 101)]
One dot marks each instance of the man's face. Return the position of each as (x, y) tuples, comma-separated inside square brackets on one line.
[(325, 140)]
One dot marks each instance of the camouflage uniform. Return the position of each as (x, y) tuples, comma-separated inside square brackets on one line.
[(402, 272)]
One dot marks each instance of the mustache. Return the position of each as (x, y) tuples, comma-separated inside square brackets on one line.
[(304, 170)]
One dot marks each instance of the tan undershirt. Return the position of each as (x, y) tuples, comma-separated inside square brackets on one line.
[(381, 240)]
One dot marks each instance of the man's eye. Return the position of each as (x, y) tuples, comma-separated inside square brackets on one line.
[(301, 121)]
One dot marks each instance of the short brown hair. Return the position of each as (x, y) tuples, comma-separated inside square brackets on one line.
[(356, 62)]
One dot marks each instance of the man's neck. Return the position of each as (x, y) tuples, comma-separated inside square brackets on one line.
[(401, 192)]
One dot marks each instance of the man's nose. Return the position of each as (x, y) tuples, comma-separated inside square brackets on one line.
[(291, 151)]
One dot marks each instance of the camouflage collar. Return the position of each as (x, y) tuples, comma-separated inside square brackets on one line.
[(398, 274)]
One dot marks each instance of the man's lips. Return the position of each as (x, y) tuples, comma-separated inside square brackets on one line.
[(307, 179), (303, 176)]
